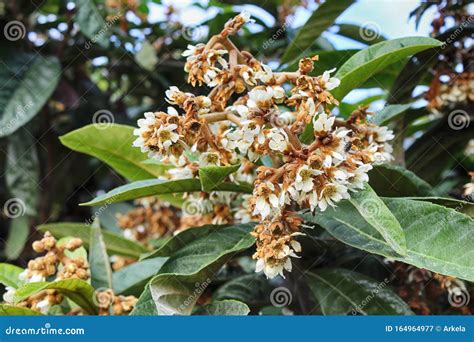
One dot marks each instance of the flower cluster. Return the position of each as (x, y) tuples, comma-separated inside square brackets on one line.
[(278, 126), (59, 262)]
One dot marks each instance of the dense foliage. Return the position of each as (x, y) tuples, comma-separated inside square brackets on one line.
[(156, 167)]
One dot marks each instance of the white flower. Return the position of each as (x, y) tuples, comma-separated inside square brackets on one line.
[(382, 133), (469, 189), (171, 94), (167, 136), (208, 158), (242, 110), (332, 192), (231, 139), (385, 155), (8, 295), (278, 140), (190, 52), (36, 277), (277, 92), (360, 177), (258, 98), (180, 173), (304, 178), (44, 306), (264, 75), (331, 82), (246, 16), (266, 200), (323, 122)]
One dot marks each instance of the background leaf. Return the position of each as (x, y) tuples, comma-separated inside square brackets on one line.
[(320, 20), (342, 292), (396, 181), (22, 170), (79, 291), (113, 148), (375, 58), (101, 273), (9, 275), (151, 187), (223, 308), (116, 245), (131, 280), (376, 213), (438, 239), (17, 237), (91, 23), (25, 101), (186, 274)]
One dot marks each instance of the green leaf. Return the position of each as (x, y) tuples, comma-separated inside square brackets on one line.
[(223, 308), (101, 273), (342, 292), (396, 181), (458, 205), (252, 289), (113, 148), (363, 34), (17, 237), (11, 310), (9, 275), (213, 176), (159, 187), (438, 239), (91, 23), (178, 241), (320, 20), (376, 213), (187, 273), (385, 115), (376, 58), (131, 280), (77, 290), (22, 170), (25, 101), (116, 245), (146, 57), (145, 305)]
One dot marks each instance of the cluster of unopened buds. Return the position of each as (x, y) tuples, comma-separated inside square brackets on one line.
[(110, 304), (255, 117), (56, 262)]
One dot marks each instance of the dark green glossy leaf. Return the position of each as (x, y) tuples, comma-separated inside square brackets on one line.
[(376, 58), (159, 187), (438, 238), (23, 100), (101, 272), (223, 308), (342, 292), (376, 213), (17, 237), (396, 181), (113, 148), (187, 273), (388, 113), (91, 23)]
